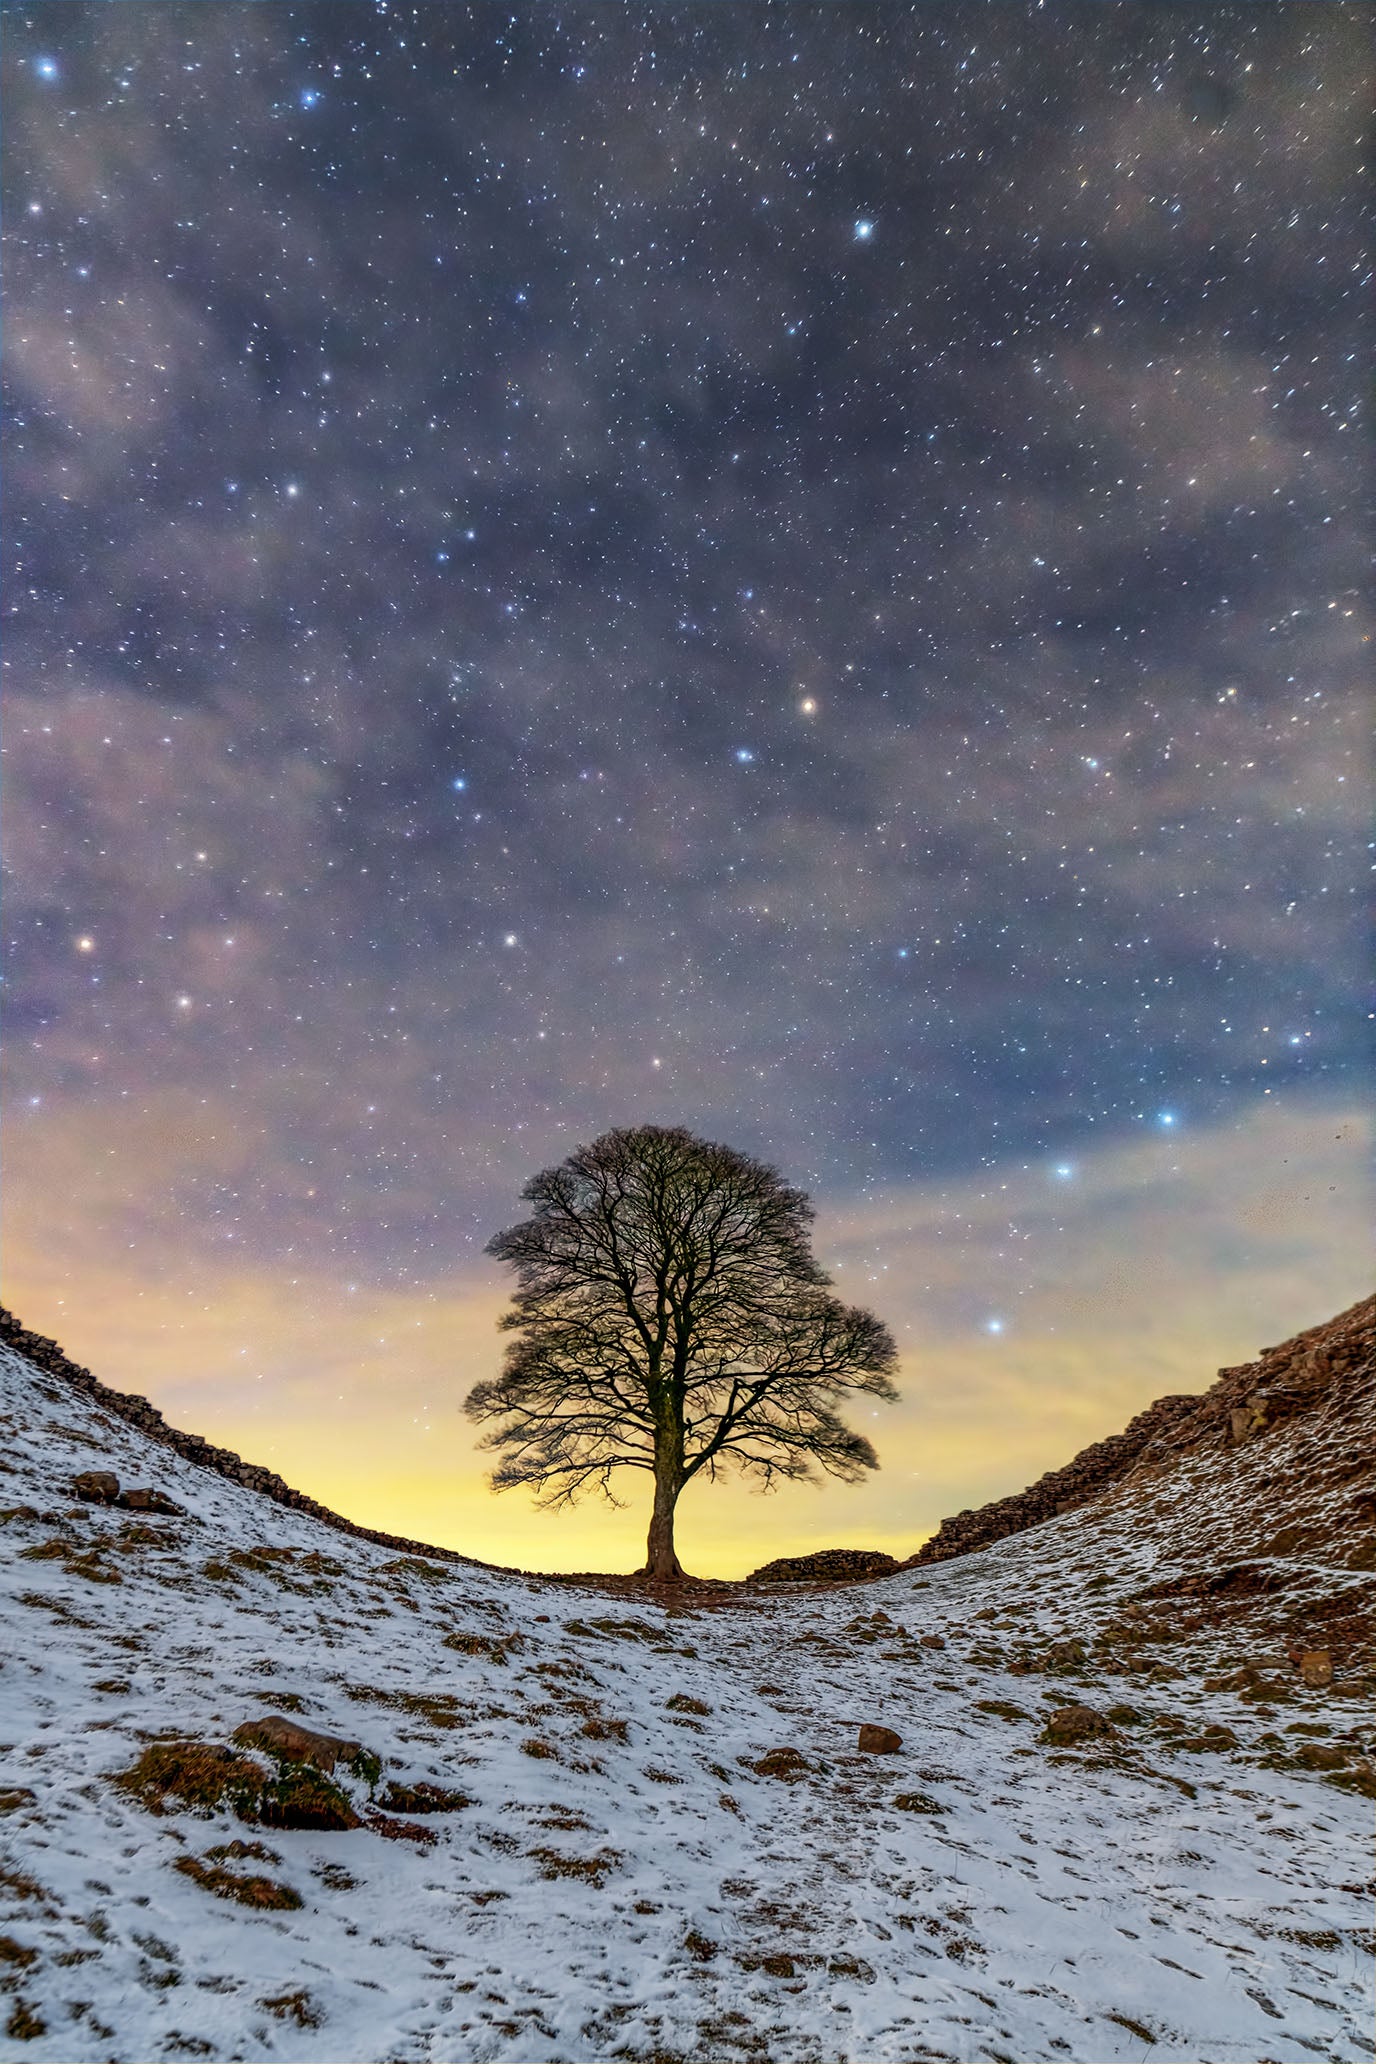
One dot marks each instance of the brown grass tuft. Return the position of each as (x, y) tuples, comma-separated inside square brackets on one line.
[(264, 1894)]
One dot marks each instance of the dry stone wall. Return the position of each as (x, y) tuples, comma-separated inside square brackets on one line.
[(1332, 1365), (136, 1411)]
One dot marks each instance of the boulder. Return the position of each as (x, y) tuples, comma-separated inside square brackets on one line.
[(878, 1741), (144, 1500), (290, 1742), (932, 1640), (96, 1486), (1316, 1668)]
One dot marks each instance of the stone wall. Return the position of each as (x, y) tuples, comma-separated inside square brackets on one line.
[(137, 1411), (1326, 1365)]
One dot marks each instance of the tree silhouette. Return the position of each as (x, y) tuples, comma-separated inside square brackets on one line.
[(669, 1316)]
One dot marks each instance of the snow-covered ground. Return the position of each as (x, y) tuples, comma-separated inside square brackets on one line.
[(625, 1882)]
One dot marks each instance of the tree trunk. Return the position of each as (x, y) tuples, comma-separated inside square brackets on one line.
[(661, 1562)]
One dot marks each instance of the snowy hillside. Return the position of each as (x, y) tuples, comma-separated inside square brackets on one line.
[(670, 1845)]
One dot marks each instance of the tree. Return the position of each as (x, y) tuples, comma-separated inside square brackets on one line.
[(669, 1316)]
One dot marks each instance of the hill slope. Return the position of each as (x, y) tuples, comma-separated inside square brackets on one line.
[(672, 1846), (1319, 1387)]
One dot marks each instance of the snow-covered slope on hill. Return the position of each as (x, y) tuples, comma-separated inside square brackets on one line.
[(643, 1870)]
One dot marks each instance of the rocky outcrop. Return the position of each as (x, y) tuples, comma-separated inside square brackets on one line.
[(1332, 1366), (136, 1411)]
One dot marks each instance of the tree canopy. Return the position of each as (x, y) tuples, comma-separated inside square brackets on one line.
[(669, 1316)]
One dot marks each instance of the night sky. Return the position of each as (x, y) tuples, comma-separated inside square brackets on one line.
[(794, 570)]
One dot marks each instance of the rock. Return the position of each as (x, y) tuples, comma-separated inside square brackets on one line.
[(1069, 1725), (96, 1486), (15, 1796), (878, 1741), (1316, 1668), (142, 1500), (290, 1742), (932, 1640)]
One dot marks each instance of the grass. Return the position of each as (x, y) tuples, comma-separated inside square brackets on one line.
[(206, 1777), (294, 2006), (789, 1765), (415, 1566), (437, 1707), (616, 1630), (266, 1895), (19, 1884), (421, 1798), (598, 1728), (24, 2025), (591, 1870), (1003, 1709), (202, 1775), (489, 1645)]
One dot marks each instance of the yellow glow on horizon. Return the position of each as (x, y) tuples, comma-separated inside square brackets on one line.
[(1163, 1260)]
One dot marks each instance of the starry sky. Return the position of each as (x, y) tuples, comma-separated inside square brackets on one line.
[(789, 569)]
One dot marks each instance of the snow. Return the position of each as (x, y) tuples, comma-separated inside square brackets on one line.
[(1073, 1905)]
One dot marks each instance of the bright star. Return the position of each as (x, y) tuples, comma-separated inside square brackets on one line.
[(993, 1325), (459, 781), (46, 67), (744, 755), (309, 96), (1165, 1117), (863, 232), (510, 939)]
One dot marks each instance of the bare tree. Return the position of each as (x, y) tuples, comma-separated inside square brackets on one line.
[(669, 1316)]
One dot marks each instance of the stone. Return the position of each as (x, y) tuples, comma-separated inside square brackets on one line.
[(1316, 1668), (96, 1486), (932, 1640), (144, 1500), (878, 1741), (290, 1742), (1069, 1725)]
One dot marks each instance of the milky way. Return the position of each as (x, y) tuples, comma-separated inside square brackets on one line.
[(787, 569)]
